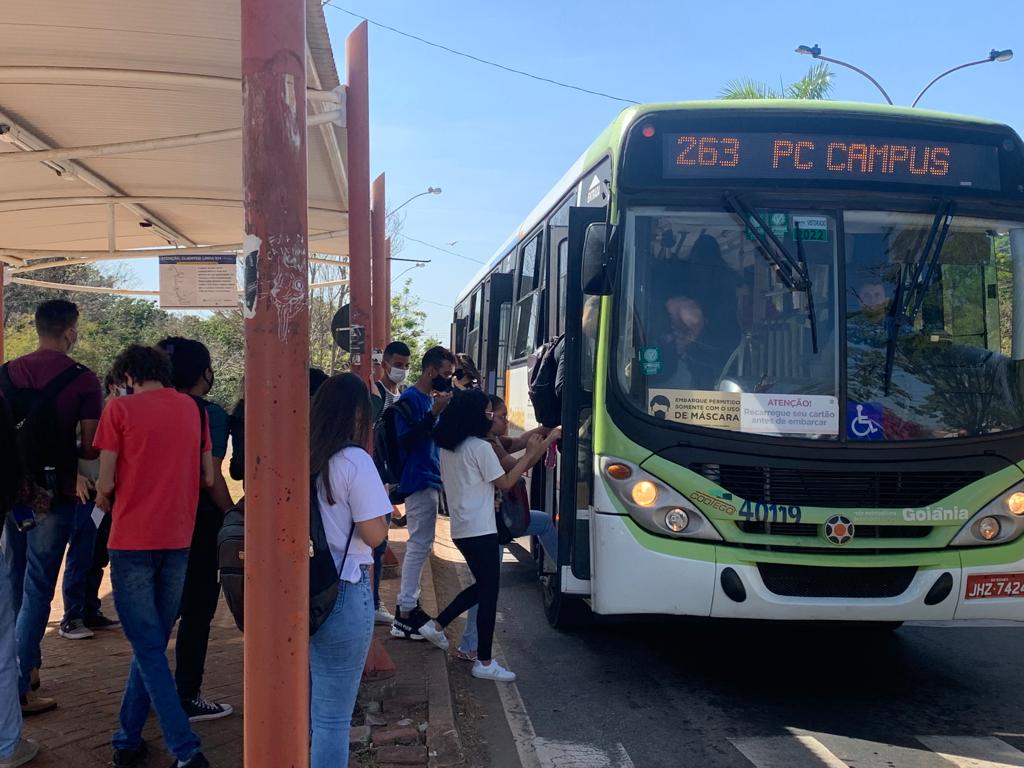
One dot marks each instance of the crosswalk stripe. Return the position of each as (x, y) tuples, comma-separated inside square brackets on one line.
[(974, 751), (786, 751)]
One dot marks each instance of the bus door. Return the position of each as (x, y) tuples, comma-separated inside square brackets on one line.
[(570, 575), (497, 302)]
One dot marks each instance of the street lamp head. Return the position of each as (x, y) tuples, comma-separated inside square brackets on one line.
[(1004, 55), (809, 50), (434, 190)]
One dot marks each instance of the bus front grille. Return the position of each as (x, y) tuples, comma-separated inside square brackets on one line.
[(810, 529), (817, 581), (836, 488)]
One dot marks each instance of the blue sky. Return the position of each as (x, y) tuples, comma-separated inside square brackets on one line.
[(496, 142)]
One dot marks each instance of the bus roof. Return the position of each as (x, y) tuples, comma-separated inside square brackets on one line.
[(610, 137)]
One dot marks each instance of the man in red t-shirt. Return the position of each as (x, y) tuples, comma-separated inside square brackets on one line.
[(154, 450), (34, 558)]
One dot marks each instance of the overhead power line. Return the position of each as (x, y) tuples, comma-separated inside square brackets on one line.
[(442, 250), (479, 60)]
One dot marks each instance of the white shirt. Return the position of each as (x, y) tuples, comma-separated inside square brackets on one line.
[(467, 474), (358, 495)]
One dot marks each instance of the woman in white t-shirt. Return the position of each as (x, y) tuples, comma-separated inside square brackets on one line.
[(353, 504), (471, 472)]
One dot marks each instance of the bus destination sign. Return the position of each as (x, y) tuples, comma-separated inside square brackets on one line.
[(828, 157)]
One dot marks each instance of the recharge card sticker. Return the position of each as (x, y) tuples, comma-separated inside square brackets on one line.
[(789, 414)]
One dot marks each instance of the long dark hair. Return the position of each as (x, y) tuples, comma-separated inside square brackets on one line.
[(340, 414), (464, 417)]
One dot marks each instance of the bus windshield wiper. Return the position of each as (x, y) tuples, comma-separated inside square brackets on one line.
[(793, 273), (913, 284)]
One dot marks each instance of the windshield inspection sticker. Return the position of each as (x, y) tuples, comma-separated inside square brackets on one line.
[(811, 228), (650, 361), (864, 421), (789, 414)]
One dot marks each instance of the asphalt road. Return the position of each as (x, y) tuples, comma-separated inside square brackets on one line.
[(706, 694)]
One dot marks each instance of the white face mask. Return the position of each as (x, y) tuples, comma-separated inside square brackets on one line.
[(397, 375)]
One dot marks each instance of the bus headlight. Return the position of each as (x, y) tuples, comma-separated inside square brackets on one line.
[(654, 505), (998, 522)]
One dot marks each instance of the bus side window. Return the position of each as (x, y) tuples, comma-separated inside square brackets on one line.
[(528, 306)]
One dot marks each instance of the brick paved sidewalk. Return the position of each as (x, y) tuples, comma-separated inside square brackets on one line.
[(407, 713)]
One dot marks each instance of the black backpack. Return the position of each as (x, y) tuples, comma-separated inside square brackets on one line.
[(543, 368), (47, 454), (387, 449), (324, 577)]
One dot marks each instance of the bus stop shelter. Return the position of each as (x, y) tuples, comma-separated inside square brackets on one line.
[(131, 129)]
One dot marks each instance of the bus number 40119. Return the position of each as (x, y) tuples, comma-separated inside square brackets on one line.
[(769, 513)]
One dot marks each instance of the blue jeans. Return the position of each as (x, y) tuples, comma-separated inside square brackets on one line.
[(337, 654), (81, 546), (378, 565), (43, 555), (147, 593), (14, 547), (10, 710), (543, 527)]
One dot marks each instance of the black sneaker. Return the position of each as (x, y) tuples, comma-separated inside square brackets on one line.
[(130, 758), (199, 709), (197, 761), (406, 624), (99, 621)]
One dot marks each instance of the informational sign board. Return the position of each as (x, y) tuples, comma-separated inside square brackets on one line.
[(198, 281), (699, 408), (789, 414)]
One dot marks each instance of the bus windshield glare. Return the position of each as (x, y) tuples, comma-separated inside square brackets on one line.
[(713, 333)]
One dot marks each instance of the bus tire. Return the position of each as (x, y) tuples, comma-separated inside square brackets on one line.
[(563, 612)]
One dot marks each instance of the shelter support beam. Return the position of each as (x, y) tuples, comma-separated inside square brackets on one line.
[(379, 258), (356, 63), (276, 730)]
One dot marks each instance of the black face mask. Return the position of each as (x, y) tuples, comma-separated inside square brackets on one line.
[(441, 383)]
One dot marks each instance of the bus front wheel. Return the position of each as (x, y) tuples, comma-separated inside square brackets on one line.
[(563, 612)]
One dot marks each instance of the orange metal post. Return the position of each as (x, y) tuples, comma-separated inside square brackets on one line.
[(276, 730), (358, 116), (379, 255), (3, 325), (387, 288)]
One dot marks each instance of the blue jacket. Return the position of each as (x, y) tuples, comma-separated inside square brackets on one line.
[(422, 463)]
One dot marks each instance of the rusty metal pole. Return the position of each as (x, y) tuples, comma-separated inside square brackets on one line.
[(276, 730), (379, 256), (358, 121), (387, 283)]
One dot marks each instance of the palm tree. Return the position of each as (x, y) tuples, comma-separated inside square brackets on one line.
[(816, 84)]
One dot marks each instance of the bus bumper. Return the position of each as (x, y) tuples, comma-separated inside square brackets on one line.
[(635, 572)]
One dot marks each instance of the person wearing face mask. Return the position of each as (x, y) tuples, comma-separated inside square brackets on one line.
[(421, 480), (33, 556), (390, 381), (192, 374)]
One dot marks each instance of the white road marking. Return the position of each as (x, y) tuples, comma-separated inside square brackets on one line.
[(786, 751), (533, 751), (974, 751)]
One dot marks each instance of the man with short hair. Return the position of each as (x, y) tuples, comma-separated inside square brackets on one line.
[(34, 557), (421, 480), (390, 381), (154, 454)]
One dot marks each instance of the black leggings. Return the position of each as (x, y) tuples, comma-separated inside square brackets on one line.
[(479, 553)]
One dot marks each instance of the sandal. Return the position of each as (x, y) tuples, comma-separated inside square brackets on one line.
[(465, 655)]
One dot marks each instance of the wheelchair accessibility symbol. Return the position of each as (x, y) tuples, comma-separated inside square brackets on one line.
[(864, 421)]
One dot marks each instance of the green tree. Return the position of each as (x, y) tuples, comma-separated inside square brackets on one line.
[(407, 325), (816, 84)]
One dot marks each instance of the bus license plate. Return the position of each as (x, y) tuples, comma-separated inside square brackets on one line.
[(994, 585)]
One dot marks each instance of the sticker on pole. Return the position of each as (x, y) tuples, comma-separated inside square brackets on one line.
[(198, 281), (789, 414)]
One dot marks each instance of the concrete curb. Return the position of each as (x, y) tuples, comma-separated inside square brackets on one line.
[(444, 748)]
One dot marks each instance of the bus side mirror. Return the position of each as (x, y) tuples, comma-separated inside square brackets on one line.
[(598, 267)]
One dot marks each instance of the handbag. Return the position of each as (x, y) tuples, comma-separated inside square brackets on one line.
[(512, 513)]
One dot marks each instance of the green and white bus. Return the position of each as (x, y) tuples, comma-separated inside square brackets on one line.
[(794, 343)]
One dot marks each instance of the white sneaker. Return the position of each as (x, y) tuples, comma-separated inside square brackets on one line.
[(383, 616), (492, 671), (435, 635)]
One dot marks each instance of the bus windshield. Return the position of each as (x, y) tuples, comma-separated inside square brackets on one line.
[(710, 334)]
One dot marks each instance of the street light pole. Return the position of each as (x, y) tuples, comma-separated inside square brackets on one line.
[(815, 52), (430, 191), (993, 55)]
